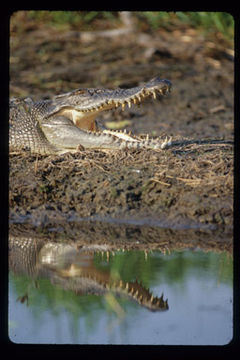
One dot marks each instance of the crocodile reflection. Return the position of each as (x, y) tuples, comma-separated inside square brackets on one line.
[(74, 269)]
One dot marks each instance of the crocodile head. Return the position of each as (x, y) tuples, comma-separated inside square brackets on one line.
[(83, 105), (103, 283), (73, 269)]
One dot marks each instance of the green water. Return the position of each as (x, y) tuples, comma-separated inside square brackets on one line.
[(197, 284)]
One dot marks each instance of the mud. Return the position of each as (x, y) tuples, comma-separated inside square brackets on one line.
[(179, 188)]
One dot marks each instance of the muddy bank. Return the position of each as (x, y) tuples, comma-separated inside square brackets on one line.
[(105, 236), (179, 187), (190, 187)]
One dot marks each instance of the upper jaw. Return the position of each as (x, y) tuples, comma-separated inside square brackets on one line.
[(96, 100), (85, 103)]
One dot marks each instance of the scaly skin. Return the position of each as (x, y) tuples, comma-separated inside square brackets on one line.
[(67, 122)]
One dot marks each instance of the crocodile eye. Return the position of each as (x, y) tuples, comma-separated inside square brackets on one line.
[(80, 92)]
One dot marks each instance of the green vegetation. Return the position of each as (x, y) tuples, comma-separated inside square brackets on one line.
[(221, 22), (209, 21), (83, 19)]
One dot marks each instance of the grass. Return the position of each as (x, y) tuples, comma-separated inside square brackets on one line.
[(208, 22), (85, 19)]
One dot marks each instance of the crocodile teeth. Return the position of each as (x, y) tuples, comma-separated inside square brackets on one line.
[(154, 94), (129, 104), (123, 106)]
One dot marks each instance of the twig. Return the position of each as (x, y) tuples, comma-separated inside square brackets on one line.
[(160, 182)]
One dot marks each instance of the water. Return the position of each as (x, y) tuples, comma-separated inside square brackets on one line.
[(43, 308)]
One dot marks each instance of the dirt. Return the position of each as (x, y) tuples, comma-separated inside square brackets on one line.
[(188, 187)]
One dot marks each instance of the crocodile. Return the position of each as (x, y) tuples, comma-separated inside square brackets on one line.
[(75, 270), (67, 122)]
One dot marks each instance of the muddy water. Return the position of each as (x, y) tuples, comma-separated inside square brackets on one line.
[(60, 295)]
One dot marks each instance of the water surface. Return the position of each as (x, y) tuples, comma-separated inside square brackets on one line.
[(198, 285)]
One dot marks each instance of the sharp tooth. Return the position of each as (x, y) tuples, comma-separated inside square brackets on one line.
[(139, 97), (123, 106), (129, 104), (134, 100), (127, 286), (152, 297), (154, 94)]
